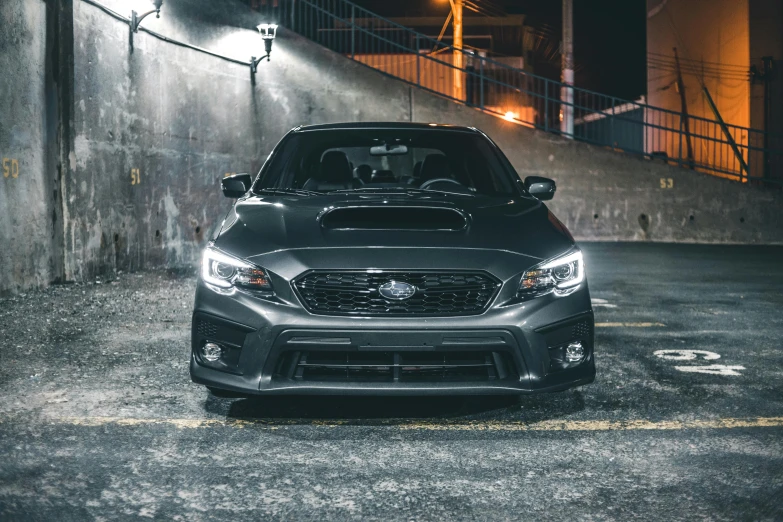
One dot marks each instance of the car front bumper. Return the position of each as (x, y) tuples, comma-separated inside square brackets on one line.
[(261, 337)]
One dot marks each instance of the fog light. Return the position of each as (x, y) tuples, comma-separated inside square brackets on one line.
[(575, 352), (211, 352)]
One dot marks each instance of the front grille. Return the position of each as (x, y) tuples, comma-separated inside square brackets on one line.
[(391, 366), (357, 292)]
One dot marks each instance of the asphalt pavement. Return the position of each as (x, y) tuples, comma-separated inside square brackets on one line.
[(99, 419)]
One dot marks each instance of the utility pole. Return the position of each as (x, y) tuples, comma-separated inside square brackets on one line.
[(567, 71), (767, 75), (684, 107), (456, 7)]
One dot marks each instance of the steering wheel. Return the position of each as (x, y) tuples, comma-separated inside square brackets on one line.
[(431, 182)]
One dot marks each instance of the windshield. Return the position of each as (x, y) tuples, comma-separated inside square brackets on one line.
[(349, 160)]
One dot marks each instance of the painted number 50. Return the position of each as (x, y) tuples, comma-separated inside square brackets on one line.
[(10, 168)]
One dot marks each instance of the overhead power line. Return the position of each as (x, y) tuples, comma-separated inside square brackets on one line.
[(719, 65), (698, 68), (484, 7)]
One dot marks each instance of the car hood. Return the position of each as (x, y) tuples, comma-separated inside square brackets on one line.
[(261, 225)]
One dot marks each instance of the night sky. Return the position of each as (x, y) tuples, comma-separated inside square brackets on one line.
[(609, 37)]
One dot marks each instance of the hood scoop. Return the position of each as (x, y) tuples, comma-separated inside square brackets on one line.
[(393, 218)]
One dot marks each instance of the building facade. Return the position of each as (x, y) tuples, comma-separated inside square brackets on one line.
[(716, 60)]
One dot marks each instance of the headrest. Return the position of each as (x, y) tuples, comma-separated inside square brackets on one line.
[(335, 168), (434, 166), (363, 172)]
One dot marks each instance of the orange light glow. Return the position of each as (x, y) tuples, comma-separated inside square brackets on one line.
[(511, 116)]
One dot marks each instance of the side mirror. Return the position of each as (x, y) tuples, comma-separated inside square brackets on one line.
[(236, 186), (541, 188)]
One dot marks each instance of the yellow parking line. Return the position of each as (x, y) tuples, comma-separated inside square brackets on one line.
[(628, 325), (548, 425)]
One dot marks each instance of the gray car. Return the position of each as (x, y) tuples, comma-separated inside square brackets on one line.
[(390, 258)]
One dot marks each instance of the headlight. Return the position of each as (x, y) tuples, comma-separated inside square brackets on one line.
[(560, 275), (225, 271)]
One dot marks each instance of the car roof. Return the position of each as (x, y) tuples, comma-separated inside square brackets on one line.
[(385, 125)]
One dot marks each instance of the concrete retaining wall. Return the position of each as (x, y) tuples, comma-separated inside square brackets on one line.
[(156, 127), (152, 128), (608, 196), (29, 199)]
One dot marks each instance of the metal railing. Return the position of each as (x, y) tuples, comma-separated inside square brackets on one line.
[(492, 85)]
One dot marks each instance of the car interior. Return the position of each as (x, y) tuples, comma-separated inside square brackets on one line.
[(449, 162), (334, 170)]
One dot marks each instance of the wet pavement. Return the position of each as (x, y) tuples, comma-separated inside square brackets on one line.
[(99, 420)]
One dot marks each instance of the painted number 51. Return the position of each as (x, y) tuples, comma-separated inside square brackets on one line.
[(135, 177)]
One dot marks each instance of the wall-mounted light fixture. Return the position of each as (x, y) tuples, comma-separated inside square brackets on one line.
[(268, 33), (136, 18)]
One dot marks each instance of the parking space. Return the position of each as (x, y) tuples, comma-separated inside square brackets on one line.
[(99, 419)]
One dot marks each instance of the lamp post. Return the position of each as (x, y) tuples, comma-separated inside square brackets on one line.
[(567, 74), (268, 33), (459, 91), (136, 18)]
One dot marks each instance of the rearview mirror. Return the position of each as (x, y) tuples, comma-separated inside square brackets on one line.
[(395, 149), (236, 186), (541, 188)]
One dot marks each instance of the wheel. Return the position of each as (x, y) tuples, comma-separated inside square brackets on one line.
[(224, 394)]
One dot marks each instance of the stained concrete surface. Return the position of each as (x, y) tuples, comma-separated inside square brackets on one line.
[(29, 195), (100, 422)]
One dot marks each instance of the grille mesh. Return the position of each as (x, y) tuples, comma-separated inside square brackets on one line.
[(582, 329), (356, 292), (206, 329)]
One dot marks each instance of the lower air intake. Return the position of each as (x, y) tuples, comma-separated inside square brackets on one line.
[(354, 366)]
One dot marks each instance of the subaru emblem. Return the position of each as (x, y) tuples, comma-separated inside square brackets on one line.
[(396, 290)]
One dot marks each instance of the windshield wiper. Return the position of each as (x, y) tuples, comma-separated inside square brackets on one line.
[(372, 189), (448, 192), (298, 192), (413, 190)]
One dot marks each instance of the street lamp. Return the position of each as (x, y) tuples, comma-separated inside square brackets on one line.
[(268, 33), (136, 18)]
